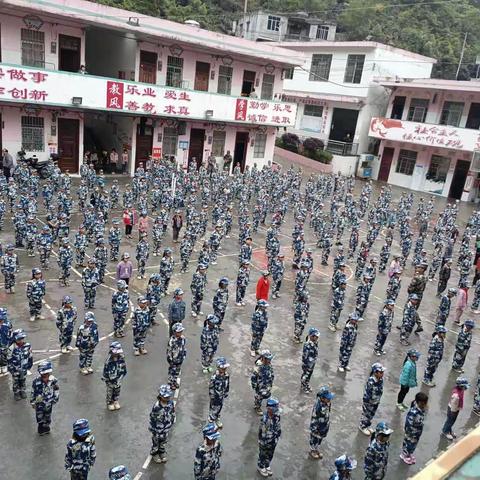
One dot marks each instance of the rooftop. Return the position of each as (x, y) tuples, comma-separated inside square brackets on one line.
[(431, 84), (325, 44), (150, 28)]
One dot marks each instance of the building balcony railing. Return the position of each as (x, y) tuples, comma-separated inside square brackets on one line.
[(30, 85), (345, 149), (439, 136), (297, 37)]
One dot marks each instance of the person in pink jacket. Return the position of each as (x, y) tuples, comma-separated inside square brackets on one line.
[(462, 301), (142, 225)]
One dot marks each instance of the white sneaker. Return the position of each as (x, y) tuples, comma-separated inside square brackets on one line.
[(139, 277), (116, 404), (332, 327), (64, 350), (347, 368), (194, 314), (238, 304), (70, 348), (262, 471), (136, 352), (89, 369), (32, 318), (365, 431), (111, 406), (201, 313), (341, 369), (84, 371), (252, 353)]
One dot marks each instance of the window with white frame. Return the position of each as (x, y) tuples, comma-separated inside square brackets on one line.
[(33, 134), (406, 162), (313, 110), (322, 32), (452, 113), (418, 109), (218, 143), (354, 70), (273, 23), (170, 139), (33, 48), (225, 75), (267, 86), (320, 68), (260, 144), (174, 72)]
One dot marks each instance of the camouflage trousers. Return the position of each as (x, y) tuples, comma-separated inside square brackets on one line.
[(113, 392), (43, 415), (35, 306), (119, 321), (216, 405), (65, 337), (159, 443), (90, 295), (85, 358), (19, 385), (265, 454), (9, 280), (368, 412)]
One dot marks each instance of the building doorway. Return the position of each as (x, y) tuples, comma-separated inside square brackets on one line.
[(148, 67), (195, 152), (398, 106), (386, 163), (68, 134), (458, 180), (240, 151), (69, 53), (202, 74), (144, 143), (248, 83), (473, 119), (344, 124)]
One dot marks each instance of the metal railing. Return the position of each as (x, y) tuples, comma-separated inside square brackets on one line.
[(342, 148), (297, 37)]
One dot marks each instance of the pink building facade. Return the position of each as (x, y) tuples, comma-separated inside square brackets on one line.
[(152, 87), (430, 137)]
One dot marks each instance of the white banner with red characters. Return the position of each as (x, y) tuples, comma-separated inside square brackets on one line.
[(442, 136), (33, 86)]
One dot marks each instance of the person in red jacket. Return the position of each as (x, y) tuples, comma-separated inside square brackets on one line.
[(263, 286)]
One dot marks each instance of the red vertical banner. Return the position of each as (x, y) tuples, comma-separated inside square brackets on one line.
[(157, 152), (241, 109), (115, 95)]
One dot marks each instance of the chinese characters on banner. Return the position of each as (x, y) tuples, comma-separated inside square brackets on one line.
[(442, 136), (157, 152), (19, 84), (115, 95), (26, 85)]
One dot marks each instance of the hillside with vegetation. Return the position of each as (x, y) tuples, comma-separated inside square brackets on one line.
[(435, 28)]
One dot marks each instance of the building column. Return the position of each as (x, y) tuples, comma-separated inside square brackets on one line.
[(133, 150)]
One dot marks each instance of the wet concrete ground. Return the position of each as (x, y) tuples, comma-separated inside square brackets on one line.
[(123, 437)]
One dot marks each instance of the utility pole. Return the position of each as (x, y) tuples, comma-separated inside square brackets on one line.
[(461, 55), (245, 4)]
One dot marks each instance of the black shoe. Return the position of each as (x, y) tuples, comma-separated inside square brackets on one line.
[(419, 329)]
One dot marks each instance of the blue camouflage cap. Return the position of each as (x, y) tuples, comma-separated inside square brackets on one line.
[(81, 426)]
